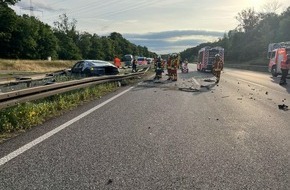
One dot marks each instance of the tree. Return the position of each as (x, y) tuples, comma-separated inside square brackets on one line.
[(284, 29), (8, 2), (84, 43), (107, 48), (8, 24), (268, 29), (47, 42), (65, 25), (248, 19), (65, 31), (116, 40), (272, 6), (96, 51), (25, 37)]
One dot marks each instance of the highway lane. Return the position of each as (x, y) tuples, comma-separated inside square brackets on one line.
[(167, 135)]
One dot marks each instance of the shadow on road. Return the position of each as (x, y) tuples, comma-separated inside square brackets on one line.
[(276, 80), (187, 82)]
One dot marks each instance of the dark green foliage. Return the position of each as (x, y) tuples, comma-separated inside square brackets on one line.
[(24, 37), (7, 26), (249, 41), (8, 2)]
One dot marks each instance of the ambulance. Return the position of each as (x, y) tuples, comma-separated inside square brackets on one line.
[(206, 57), (276, 53)]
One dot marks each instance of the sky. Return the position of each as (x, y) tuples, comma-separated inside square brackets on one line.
[(163, 26)]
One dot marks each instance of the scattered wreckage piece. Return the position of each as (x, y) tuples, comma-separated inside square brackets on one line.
[(283, 107)]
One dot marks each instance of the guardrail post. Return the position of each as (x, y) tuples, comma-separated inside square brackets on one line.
[(28, 84)]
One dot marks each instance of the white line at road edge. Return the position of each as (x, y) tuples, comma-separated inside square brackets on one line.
[(252, 83), (26, 147)]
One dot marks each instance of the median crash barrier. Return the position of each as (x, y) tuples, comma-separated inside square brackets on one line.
[(13, 98)]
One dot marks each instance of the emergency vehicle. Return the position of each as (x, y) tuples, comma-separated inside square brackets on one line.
[(206, 57), (142, 61), (128, 59), (276, 53)]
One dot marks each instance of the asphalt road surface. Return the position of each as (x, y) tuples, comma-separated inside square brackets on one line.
[(189, 134)]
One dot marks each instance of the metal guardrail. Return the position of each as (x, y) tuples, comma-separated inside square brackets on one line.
[(260, 68), (13, 98)]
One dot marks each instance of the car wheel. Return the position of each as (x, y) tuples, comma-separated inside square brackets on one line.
[(274, 71)]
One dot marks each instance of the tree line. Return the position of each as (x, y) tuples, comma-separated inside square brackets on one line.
[(249, 40), (26, 37)]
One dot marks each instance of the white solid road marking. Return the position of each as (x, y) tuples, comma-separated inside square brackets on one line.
[(196, 82), (26, 147), (262, 86), (253, 83)]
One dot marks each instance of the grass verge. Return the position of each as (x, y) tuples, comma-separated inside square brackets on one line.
[(33, 66), (24, 116)]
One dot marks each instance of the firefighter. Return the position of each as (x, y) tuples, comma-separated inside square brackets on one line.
[(184, 66), (168, 65), (217, 67), (158, 68), (174, 65), (134, 66), (117, 62), (285, 66)]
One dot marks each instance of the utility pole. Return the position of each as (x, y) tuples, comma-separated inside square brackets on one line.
[(31, 9)]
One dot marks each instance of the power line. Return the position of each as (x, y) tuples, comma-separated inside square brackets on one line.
[(32, 9), (96, 9), (139, 5)]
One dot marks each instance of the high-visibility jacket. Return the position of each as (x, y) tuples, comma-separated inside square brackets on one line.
[(168, 65), (285, 64), (218, 65), (117, 62)]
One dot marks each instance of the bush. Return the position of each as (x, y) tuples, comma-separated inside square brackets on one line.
[(29, 114)]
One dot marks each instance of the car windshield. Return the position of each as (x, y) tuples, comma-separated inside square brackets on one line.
[(128, 58)]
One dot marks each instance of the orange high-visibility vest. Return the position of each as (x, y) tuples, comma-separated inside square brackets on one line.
[(285, 64), (218, 65), (117, 62)]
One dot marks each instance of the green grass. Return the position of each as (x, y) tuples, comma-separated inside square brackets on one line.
[(22, 117), (27, 115)]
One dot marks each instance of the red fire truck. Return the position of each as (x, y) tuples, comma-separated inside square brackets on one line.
[(206, 57), (276, 53)]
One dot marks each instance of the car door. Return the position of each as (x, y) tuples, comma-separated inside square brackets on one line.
[(78, 67)]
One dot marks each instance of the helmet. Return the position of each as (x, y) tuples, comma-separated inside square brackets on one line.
[(217, 56)]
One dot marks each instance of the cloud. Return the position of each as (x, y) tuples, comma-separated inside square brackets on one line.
[(173, 41), (175, 33)]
